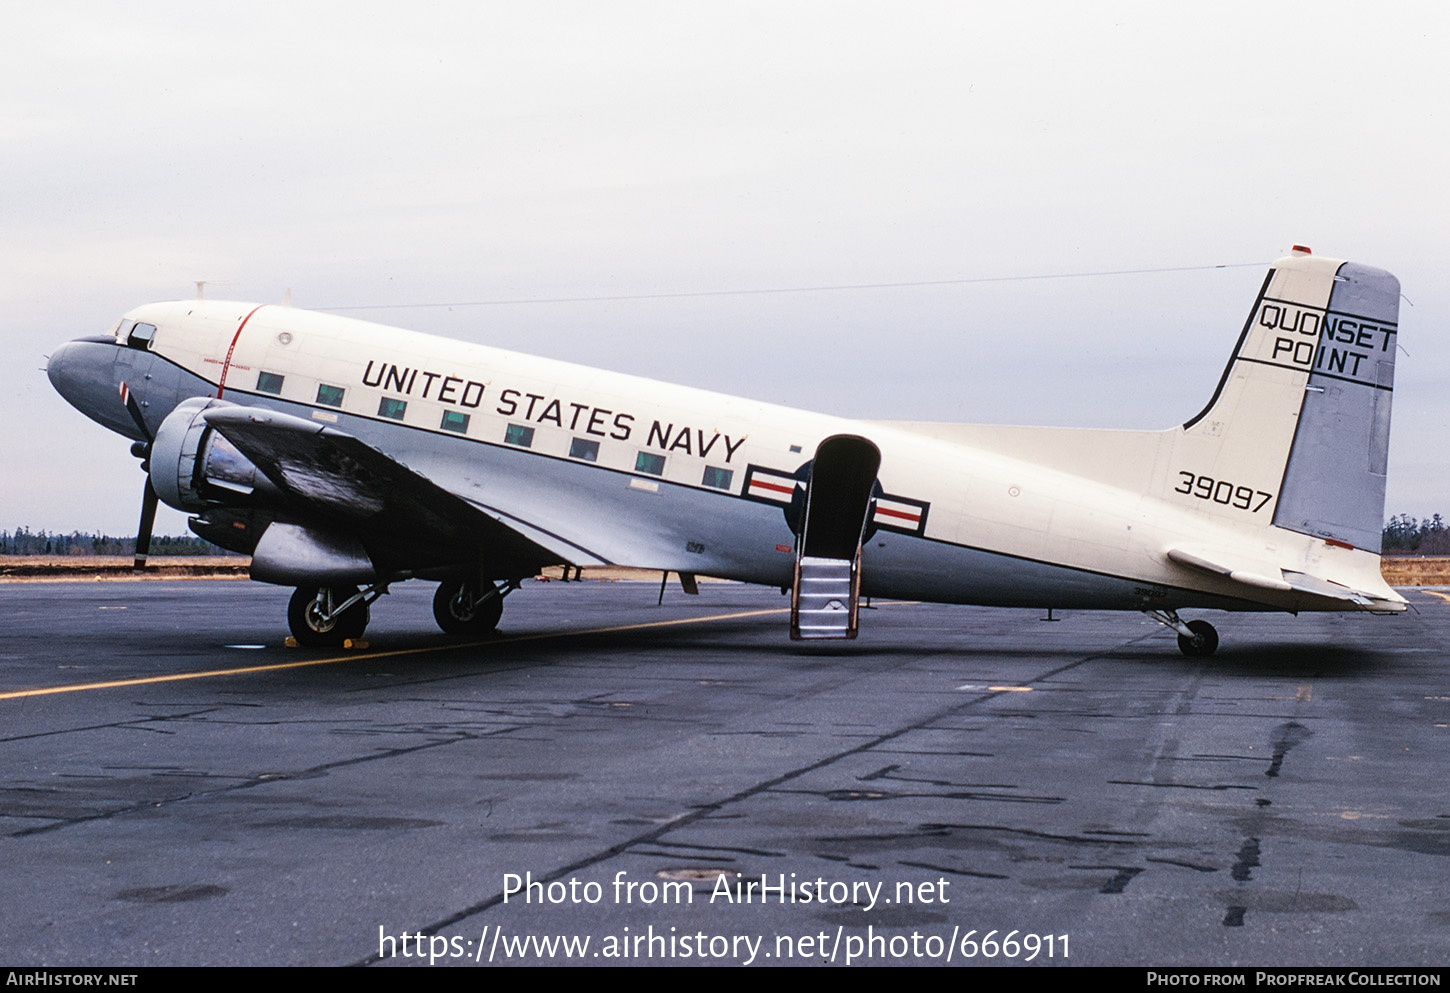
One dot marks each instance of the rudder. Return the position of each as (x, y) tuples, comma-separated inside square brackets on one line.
[(1334, 484)]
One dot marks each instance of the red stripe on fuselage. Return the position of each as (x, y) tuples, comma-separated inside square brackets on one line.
[(222, 381)]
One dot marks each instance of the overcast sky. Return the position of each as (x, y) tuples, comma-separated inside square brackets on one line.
[(411, 154)]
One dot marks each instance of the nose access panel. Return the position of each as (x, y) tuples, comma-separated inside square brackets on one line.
[(827, 587)]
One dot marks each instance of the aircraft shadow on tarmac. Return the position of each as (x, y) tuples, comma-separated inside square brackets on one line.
[(670, 645)]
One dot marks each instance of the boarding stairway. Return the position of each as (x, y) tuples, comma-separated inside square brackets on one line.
[(825, 594)]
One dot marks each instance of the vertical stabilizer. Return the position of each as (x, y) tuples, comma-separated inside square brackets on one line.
[(1297, 433), (1229, 461)]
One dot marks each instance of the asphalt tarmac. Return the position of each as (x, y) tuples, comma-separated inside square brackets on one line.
[(959, 785)]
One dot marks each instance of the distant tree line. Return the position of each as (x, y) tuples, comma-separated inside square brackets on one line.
[(1405, 535), (23, 541)]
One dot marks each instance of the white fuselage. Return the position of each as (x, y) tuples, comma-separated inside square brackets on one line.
[(603, 467)]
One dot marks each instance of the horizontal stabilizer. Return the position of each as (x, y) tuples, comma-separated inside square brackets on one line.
[(1249, 576), (1265, 576), (1305, 583)]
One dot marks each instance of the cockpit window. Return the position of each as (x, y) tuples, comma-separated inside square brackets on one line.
[(141, 335), (121, 330)]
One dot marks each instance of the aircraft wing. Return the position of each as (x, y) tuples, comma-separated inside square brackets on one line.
[(332, 480)]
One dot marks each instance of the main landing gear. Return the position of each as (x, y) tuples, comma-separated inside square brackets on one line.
[(326, 616), (1196, 639), (469, 609)]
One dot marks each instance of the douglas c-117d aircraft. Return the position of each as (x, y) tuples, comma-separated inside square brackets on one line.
[(344, 456)]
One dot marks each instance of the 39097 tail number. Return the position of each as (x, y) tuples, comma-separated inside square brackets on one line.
[(1222, 491)]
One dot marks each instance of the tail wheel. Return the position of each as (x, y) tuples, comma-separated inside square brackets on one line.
[(459, 610), (1203, 643), (315, 621)]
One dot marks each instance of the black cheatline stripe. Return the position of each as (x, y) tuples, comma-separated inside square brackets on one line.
[(1243, 336)]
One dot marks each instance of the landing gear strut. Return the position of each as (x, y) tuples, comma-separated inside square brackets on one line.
[(470, 609), (325, 617), (1196, 639)]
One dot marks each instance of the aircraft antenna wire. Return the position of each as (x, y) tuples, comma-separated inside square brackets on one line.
[(795, 289)]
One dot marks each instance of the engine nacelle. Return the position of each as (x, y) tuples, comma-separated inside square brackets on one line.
[(193, 467)]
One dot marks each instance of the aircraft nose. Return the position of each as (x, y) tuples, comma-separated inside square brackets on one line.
[(63, 370), (55, 369), (78, 367), (83, 371)]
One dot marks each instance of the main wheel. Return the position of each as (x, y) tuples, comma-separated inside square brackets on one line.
[(309, 621), (1203, 643), (456, 615)]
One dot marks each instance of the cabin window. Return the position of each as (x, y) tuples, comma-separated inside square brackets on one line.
[(582, 448), (650, 463), (269, 382), (718, 478), (141, 335), (454, 421), (392, 409), (519, 434), (330, 396)]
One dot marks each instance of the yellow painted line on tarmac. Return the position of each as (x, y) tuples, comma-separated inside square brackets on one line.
[(1442, 596), (305, 663)]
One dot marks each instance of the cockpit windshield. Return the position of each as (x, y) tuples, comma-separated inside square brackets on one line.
[(140, 335)]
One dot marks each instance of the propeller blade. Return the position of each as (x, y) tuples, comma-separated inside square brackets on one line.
[(143, 531)]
